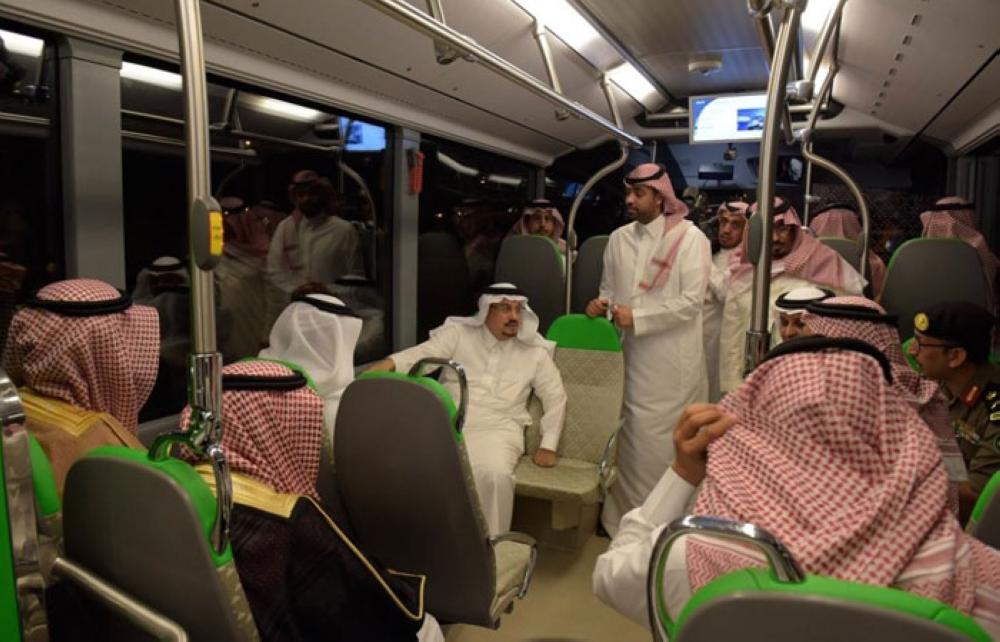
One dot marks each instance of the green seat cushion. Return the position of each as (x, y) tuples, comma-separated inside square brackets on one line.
[(762, 580), (985, 497), (584, 333), (440, 391), (181, 472)]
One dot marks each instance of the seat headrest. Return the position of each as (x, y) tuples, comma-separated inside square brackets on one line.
[(580, 332), (439, 391)]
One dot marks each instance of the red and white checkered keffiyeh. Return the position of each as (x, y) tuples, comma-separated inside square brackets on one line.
[(270, 435), (961, 224), (843, 222), (103, 363), (825, 455)]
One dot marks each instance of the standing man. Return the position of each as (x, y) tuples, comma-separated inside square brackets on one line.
[(952, 345), (732, 220), (656, 270), (313, 245)]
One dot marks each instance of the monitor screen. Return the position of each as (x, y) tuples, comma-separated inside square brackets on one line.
[(726, 119), (362, 137), (790, 169)]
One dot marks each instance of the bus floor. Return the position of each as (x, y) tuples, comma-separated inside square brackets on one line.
[(560, 605)]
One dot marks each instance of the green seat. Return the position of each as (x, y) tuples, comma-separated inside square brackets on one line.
[(984, 523), (146, 527), (589, 357), (781, 604), (406, 485)]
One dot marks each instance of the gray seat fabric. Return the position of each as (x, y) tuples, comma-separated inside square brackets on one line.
[(587, 269), (408, 491), (443, 282), (845, 247), (535, 265), (774, 617), (924, 272), (115, 511)]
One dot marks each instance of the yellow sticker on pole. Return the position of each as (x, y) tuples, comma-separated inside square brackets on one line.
[(215, 234)]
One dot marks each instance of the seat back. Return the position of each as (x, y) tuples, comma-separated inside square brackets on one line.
[(923, 272), (145, 526), (845, 247), (535, 265), (984, 523), (408, 491), (442, 280), (587, 270), (783, 604), (589, 358)]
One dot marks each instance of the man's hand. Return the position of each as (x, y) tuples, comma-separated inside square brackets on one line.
[(622, 315), (597, 307), (545, 458), (386, 365), (700, 425)]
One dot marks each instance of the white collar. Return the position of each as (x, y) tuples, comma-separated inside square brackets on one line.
[(654, 228)]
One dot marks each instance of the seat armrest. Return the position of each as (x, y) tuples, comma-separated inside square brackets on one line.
[(527, 540), (606, 467)]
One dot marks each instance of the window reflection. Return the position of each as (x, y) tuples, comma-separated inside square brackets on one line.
[(301, 190), (31, 233)]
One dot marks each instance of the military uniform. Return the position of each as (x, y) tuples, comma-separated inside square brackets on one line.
[(975, 416), (975, 413)]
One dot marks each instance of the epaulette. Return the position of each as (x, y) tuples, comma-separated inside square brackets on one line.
[(991, 399)]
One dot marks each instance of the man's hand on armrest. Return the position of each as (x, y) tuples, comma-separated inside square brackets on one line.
[(385, 365), (545, 458)]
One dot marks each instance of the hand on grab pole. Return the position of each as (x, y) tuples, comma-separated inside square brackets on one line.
[(700, 425), (597, 307)]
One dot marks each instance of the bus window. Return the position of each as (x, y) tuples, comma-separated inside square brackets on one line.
[(31, 231)]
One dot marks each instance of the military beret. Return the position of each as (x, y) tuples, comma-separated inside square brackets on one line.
[(960, 323)]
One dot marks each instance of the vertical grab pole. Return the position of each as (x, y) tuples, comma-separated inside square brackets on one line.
[(205, 247), (758, 336), (609, 93)]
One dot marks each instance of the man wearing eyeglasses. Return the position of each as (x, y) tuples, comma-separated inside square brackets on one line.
[(952, 345)]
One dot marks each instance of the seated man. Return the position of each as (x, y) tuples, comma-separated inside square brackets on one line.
[(790, 308), (541, 217), (841, 220), (85, 359), (955, 217), (304, 579), (317, 332), (876, 489), (797, 260), (505, 359), (952, 346)]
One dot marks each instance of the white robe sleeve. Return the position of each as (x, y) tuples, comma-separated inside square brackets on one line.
[(854, 283), (547, 384), (277, 275), (607, 287), (694, 261), (620, 573), (441, 345)]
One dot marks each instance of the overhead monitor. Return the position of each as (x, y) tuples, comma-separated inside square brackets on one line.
[(727, 118), (362, 136)]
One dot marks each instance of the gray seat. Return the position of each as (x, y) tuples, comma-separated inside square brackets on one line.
[(408, 491), (923, 272), (589, 357), (587, 270), (535, 265), (845, 247), (984, 523), (443, 284), (144, 526), (783, 604)]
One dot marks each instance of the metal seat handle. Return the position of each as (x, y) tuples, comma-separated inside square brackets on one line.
[(463, 384), (785, 568)]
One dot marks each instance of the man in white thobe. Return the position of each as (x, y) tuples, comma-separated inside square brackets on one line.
[(797, 261), (732, 221), (656, 270), (505, 359), (310, 246)]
